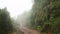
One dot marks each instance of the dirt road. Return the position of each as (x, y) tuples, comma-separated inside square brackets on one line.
[(29, 31)]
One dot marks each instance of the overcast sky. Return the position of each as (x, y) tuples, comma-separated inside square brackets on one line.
[(16, 7)]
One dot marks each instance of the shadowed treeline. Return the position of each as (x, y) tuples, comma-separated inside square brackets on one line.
[(6, 26)]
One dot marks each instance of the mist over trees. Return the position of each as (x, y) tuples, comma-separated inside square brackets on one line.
[(24, 19), (44, 17)]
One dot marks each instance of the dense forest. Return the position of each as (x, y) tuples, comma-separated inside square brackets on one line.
[(46, 16)]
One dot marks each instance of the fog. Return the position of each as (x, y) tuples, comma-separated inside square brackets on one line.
[(16, 7)]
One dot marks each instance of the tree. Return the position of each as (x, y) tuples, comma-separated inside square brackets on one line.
[(5, 22)]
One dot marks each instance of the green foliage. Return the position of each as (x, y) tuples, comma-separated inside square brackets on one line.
[(39, 27), (46, 14)]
